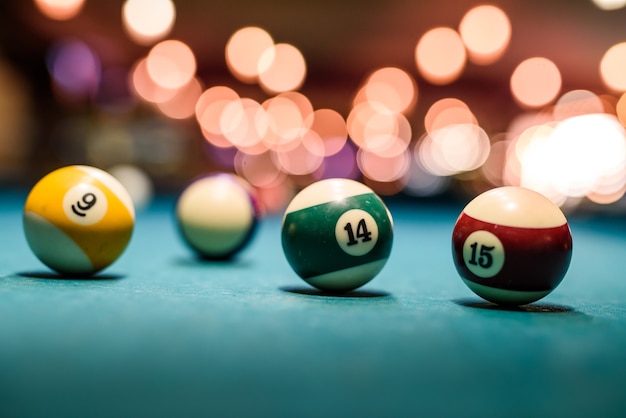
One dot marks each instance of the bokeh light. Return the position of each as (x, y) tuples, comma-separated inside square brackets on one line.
[(331, 127), (566, 141), (577, 103), (75, 68), (448, 111), (420, 182), (620, 109), (209, 108), (577, 157), (612, 67), (182, 105), (433, 64), (148, 21), (244, 50), (609, 4), (384, 133), (60, 9), (590, 152), (381, 168), (298, 159), (286, 121), (171, 64), (453, 149), (494, 167), (144, 86), (302, 102), (136, 182), (486, 32), (535, 82), (532, 151), (259, 169), (244, 123), (276, 196), (389, 89), (281, 68)]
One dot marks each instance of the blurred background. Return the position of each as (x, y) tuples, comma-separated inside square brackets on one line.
[(419, 99)]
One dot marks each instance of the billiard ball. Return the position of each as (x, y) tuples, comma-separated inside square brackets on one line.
[(217, 215), (337, 234), (78, 220), (511, 245)]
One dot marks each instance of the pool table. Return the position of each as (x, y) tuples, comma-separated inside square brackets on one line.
[(163, 334)]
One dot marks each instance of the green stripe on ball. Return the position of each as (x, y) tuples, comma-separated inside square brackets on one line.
[(310, 243)]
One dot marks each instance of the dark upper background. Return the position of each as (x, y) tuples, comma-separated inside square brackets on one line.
[(342, 41)]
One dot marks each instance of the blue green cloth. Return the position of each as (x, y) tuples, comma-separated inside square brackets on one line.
[(162, 334)]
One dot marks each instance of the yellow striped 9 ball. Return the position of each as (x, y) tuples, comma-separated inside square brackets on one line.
[(78, 220)]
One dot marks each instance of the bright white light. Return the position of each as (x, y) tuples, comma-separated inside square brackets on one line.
[(582, 155), (590, 148)]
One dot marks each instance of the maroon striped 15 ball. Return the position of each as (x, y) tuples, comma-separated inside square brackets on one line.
[(512, 246)]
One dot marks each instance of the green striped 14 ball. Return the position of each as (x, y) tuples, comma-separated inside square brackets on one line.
[(337, 234)]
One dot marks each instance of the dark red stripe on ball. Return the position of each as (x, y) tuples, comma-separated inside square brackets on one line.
[(536, 259)]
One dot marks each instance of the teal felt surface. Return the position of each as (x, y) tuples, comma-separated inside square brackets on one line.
[(160, 333)]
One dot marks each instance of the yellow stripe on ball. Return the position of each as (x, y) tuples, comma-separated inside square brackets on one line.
[(89, 206)]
